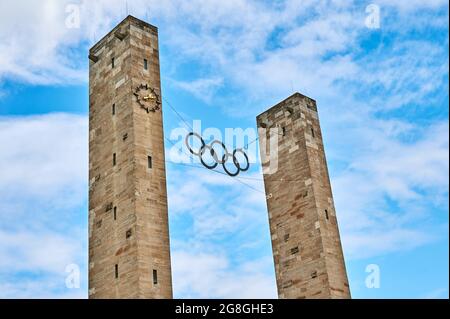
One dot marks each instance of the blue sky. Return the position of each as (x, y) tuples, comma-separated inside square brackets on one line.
[(382, 95)]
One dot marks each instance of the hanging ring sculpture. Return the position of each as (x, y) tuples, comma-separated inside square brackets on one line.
[(218, 161)]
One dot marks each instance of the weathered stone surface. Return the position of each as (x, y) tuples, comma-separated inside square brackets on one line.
[(132, 232), (306, 245)]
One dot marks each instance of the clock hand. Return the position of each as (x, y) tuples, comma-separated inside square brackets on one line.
[(149, 97)]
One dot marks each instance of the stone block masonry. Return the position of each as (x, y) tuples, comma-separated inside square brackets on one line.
[(129, 255), (306, 245)]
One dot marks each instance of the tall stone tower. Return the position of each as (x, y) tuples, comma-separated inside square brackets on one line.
[(306, 246), (129, 255)]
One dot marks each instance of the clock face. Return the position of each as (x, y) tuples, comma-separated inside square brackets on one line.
[(147, 98)]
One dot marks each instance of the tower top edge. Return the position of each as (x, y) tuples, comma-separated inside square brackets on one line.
[(295, 95), (128, 20)]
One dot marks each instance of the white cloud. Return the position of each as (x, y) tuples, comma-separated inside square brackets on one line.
[(43, 169), (44, 287), (413, 175), (36, 251), (317, 45), (407, 6), (203, 89), (225, 250), (382, 240), (218, 204), (211, 276), (30, 47), (404, 168), (43, 154)]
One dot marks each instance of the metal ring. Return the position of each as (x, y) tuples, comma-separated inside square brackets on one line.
[(214, 153), (225, 157), (211, 151), (236, 162), (189, 147), (227, 171)]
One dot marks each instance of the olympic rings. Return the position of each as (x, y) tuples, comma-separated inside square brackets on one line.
[(187, 143), (214, 154), (238, 169), (211, 151), (235, 161), (226, 155)]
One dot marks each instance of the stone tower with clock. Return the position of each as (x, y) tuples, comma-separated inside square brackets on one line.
[(129, 255), (306, 244)]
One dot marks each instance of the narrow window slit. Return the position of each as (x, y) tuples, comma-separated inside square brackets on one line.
[(149, 162), (155, 277), (128, 234)]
